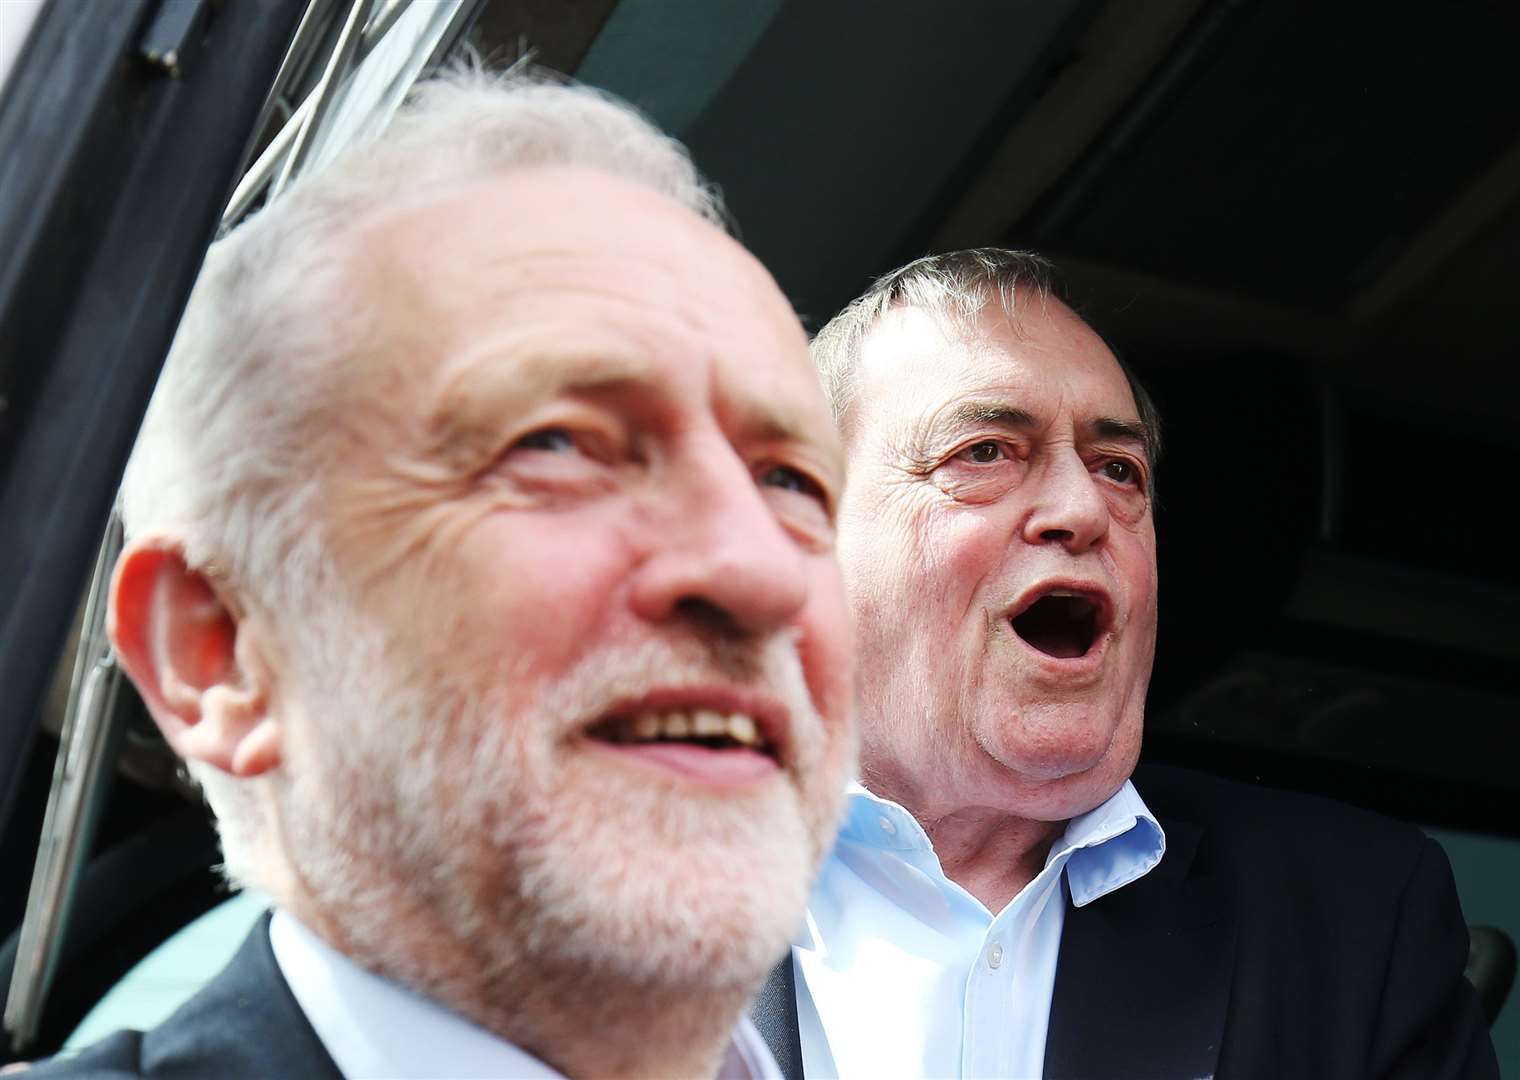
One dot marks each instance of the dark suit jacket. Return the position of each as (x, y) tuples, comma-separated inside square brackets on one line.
[(244, 1025), (1282, 936)]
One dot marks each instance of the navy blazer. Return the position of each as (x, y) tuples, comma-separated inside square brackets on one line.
[(1281, 936), (243, 1025)]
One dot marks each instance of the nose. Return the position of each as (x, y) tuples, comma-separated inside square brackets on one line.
[(1067, 508), (717, 553)]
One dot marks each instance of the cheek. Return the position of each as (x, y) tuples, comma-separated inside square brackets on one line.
[(1138, 573), (967, 548), (926, 567), (1145, 588), (1132, 560), (826, 646), (524, 591), (941, 592)]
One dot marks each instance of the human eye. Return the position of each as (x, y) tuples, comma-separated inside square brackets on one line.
[(800, 502), (1125, 483), (1121, 471), (983, 452), (580, 454), (789, 478), (979, 470), (554, 440)]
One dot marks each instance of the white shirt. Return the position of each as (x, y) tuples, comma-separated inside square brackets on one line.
[(373, 1028), (901, 972)]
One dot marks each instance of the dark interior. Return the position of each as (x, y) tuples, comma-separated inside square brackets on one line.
[(1299, 222)]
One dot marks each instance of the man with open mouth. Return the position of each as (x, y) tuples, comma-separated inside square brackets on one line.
[(1004, 900), (480, 566)]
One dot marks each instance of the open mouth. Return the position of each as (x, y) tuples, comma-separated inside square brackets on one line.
[(1061, 623), (703, 728)]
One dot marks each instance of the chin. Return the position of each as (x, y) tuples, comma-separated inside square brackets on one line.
[(1079, 766), (664, 891), (521, 854)]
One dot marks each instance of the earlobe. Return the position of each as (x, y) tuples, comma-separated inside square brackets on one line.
[(179, 643)]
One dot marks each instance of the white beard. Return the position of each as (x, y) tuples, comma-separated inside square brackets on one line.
[(490, 827)]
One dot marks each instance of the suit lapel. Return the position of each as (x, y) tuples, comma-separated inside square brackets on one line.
[(775, 1016), (1144, 973), (244, 1025)]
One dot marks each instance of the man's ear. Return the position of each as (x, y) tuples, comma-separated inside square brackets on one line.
[(179, 643)]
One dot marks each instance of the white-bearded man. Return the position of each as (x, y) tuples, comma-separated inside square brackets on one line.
[(480, 566)]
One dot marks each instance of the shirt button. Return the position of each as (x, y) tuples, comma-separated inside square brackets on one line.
[(995, 956), (887, 826)]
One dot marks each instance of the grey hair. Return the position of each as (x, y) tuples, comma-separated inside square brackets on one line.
[(957, 284), (231, 450)]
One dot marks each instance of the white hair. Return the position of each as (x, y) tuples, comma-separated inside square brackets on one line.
[(957, 285), (234, 444)]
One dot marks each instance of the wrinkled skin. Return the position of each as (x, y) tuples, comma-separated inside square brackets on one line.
[(978, 469)]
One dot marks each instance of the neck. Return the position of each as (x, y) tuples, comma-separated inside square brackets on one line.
[(989, 853), (986, 850)]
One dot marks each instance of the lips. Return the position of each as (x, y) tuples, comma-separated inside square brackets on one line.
[(1062, 620)]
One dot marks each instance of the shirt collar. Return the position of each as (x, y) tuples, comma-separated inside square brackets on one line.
[(1115, 843), (372, 1027), (880, 823)]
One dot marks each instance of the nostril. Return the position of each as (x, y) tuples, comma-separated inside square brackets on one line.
[(705, 615)]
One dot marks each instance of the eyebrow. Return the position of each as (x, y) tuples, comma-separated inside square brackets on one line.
[(986, 412), (552, 372), (523, 379), (465, 412), (772, 427), (1009, 417), (1107, 427)]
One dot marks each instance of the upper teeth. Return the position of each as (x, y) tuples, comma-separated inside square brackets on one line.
[(681, 724)]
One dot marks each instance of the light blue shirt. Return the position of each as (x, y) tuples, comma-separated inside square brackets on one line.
[(901, 972)]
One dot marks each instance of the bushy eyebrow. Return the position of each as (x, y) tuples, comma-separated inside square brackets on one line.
[(921, 455), (988, 412), (995, 414), (1106, 427)]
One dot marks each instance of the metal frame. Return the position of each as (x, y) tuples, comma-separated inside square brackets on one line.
[(86, 748), (261, 177)]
